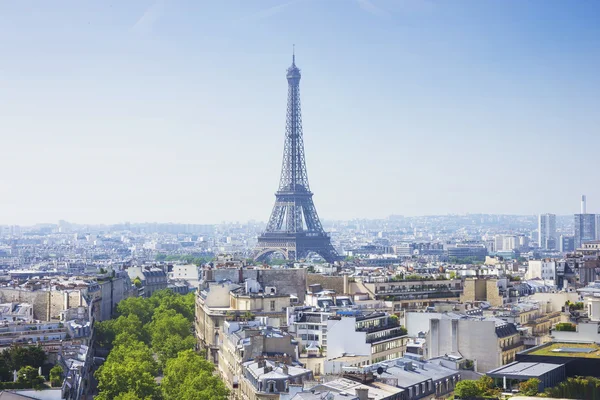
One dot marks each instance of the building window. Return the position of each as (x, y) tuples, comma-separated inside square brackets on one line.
[(272, 305)]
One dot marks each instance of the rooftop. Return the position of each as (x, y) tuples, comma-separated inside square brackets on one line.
[(377, 390), (525, 369), (567, 350)]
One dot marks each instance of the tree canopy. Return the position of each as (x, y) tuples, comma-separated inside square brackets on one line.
[(530, 387), (467, 389), (149, 335), (190, 377)]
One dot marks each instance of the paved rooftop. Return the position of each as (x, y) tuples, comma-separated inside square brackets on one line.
[(525, 369)]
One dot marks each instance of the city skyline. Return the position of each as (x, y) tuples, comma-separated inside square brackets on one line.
[(149, 111)]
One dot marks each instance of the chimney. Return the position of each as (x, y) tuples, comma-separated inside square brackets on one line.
[(362, 393), (284, 369)]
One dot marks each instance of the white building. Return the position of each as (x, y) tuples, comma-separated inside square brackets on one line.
[(188, 272), (366, 338), (541, 269), (489, 342)]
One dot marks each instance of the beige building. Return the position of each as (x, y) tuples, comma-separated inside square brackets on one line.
[(478, 289), (245, 341), (409, 293), (219, 302)]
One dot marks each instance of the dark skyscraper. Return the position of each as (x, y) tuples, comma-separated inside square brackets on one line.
[(585, 225), (294, 228)]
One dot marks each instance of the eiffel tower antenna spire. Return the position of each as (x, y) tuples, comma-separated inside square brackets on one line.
[(294, 228)]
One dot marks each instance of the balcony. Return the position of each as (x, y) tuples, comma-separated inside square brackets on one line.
[(371, 329), (420, 295), (512, 346), (392, 334)]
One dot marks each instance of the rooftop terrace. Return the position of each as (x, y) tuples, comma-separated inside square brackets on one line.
[(583, 350)]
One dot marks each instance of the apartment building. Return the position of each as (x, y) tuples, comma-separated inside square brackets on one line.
[(355, 338), (266, 379), (246, 341), (218, 302), (489, 342), (409, 293)]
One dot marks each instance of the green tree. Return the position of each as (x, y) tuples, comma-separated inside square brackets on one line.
[(170, 332), (190, 377), (530, 387), (138, 306), (30, 376), (575, 388), (130, 377), (166, 299), (104, 333), (485, 383), (127, 348), (56, 376), (137, 282), (128, 396), (467, 389), (33, 356), (487, 387), (107, 331)]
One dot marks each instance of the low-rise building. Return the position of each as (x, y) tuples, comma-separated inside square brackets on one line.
[(266, 379), (409, 293), (152, 278), (218, 302), (245, 341)]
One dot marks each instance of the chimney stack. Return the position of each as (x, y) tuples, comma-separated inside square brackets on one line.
[(362, 393), (583, 210)]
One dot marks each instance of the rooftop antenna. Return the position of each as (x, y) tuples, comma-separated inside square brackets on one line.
[(293, 54)]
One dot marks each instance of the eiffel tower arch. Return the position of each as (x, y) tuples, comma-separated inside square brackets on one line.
[(294, 229)]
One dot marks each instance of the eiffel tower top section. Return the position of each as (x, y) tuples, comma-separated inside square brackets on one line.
[(293, 169)]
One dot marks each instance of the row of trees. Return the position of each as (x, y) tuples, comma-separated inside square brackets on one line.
[(153, 337), (576, 388), (484, 387), (573, 388), (188, 258), (15, 358), (27, 361)]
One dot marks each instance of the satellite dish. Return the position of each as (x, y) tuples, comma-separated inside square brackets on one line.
[(380, 370)]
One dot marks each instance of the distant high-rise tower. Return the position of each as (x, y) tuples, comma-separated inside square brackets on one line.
[(294, 228), (547, 231), (585, 225)]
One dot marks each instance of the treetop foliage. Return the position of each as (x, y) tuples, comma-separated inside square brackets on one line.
[(150, 335)]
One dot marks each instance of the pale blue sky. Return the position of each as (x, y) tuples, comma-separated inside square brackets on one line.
[(146, 110)]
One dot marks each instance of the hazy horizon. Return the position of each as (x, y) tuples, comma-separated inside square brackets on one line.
[(175, 111), (264, 221)]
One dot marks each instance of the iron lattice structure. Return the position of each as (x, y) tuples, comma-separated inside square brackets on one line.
[(294, 228)]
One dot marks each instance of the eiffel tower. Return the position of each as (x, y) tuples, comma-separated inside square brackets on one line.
[(294, 228)]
